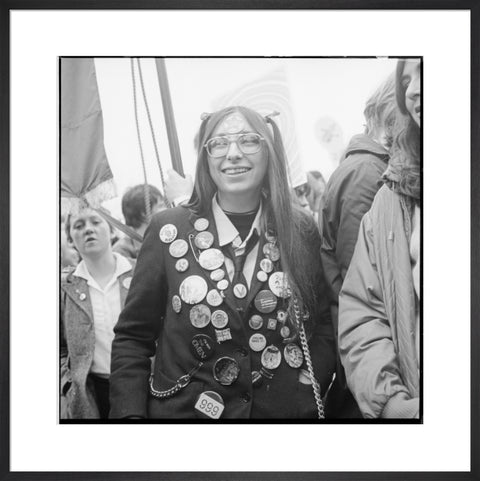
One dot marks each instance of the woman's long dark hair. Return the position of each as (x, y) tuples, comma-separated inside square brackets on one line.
[(288, 222), (405, 152)]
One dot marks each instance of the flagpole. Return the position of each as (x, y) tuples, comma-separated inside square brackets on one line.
[(169, 117)]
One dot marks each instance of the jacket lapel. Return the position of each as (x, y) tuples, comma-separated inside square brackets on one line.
[(77, 289)]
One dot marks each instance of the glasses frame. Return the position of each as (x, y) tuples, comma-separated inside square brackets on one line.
[(230, 141)]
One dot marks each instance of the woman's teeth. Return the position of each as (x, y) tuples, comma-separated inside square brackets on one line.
[(236, 170)]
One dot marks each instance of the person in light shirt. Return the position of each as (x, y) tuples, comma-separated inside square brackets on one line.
[(92, 295)]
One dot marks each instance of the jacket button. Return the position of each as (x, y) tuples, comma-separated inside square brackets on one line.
[(245, 397)]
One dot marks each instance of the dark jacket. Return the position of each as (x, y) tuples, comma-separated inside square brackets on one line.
[(77, 343), (348, 196), (149, 325)]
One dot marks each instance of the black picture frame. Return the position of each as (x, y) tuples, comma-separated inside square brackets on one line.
[(6, 7)]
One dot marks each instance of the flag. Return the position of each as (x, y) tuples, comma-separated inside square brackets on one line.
[(84, 170)]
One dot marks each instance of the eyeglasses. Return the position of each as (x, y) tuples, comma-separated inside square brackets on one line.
[(248, 143)]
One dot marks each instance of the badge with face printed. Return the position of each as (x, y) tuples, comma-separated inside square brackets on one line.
[(217, 275), (214, 298), (181, 265), (293, 355), (193, 289), (239, 291), (282, 316), (219, 319), (233, 123), (176, 304), (266, 265), (211, 259), (271, 251), (271, 357), (226, 371), (168, 233), (201, 224), (200, 316), (178, 248), (262, 276), (222, 285), (265, 301), (278, 283), (210, 405), (202, 347), (255, 322), (204, 240), (257, 342)]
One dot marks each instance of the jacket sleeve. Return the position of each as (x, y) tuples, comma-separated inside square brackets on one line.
[(65, 379), (364, 333), (137, 330)]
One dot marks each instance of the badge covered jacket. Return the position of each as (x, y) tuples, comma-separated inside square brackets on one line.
[(205, 348)]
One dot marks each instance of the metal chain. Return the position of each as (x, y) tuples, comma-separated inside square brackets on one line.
[(181, 382), (308, 359), (151, 130), (146, 191)]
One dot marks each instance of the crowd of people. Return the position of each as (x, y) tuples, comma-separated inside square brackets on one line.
[(249, 299)]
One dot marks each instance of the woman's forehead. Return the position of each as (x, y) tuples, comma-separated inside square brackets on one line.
[(233, 124), (86, 214)]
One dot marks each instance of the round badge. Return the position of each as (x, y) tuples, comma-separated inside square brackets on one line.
[(176, 304), (200, 315), (211, 259), (257, 342), (271, 357), (193, 289), (201, 224), (126, 282), (214, 298), (217, 275), (255, 322), (271, 251), (82, 296), (181, 265), (222, 285), (226, 371), (278, 283), (202, 347), (293, 355), (282, 316), (265, 301), (204, 240), (178, 248), (266, 265), (168, 233), (270, 237), (285, 331), (219, 319), (240, 291), (262, 276)]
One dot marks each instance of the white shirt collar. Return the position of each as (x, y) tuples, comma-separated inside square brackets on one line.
[(227, 232), (121, 266)]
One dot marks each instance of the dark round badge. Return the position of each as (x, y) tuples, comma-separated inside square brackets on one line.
[(255, 322), (265, 301), (219, 319), (226, 371), (262, 276), (211, 259), (271, 357), (201, 224), (293, 355), (200, 315), (176, 304), (168, 233), (204, 240), (266, 265), (178, 248), (181, 265), (202, 347), (217, 275), (239, 291)]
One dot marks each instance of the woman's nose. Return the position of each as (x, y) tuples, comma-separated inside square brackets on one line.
[(233, 151)]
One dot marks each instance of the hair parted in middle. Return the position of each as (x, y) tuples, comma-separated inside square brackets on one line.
[(280, 215)]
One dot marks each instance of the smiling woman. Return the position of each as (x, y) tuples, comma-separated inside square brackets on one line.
[(225, 294)]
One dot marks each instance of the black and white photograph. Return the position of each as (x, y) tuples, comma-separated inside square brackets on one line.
[(240, 239)]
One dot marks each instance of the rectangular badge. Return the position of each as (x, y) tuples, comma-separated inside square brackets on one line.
[(209, 406)]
